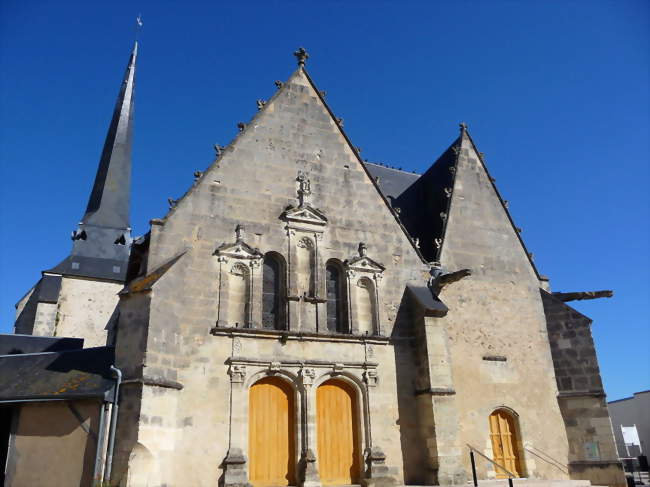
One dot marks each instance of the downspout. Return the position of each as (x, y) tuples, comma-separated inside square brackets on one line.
[(103, 408), (113, 425)]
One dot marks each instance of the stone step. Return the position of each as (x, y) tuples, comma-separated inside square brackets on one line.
[(523, 482)]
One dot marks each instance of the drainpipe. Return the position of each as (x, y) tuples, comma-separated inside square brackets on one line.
[(113, 426), (103, 409)]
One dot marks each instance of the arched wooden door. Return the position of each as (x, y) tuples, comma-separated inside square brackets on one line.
[(338, 436), (503, 433), (271, 447)]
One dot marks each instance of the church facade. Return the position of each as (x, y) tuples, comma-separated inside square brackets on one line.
[(303, 317)]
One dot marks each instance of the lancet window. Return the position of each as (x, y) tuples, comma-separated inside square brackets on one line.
[(273, 271), (336, 298)]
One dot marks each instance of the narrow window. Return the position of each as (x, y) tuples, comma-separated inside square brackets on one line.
[(272, 312), (336, 316)]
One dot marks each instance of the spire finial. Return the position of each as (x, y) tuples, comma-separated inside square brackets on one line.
[(301, 56), (463, 127)]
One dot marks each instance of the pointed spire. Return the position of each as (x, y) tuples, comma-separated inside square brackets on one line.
[(102, 241), (109, 201)]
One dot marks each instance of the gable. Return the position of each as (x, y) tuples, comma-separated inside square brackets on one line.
[(293, 133), (478, 230)]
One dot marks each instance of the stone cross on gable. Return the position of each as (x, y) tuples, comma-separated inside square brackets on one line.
[(301, 56), (239, 232), (304, 188), (363, 249)]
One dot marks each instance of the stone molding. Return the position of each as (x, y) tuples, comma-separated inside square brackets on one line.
[(297, 335), (581, 394), (304, 365), (436, 391), (154, 381)]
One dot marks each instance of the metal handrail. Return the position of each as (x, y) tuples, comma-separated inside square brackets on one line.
[(539, 454), (473, 450)]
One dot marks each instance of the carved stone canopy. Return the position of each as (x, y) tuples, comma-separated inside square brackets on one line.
[(304, 214), (363, 263), (239, 249)]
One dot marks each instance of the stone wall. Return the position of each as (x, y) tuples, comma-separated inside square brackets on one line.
[(85, 309), (498, 342), (592, 451), (257, 184)]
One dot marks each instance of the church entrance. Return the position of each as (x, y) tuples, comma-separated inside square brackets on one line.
[(271, 413), (503, 433), (338, 433)]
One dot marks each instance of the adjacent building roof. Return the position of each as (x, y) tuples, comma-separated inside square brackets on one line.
[(47, 376), (19, 344)]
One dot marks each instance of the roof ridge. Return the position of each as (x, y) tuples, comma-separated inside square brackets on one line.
[(392, 168)]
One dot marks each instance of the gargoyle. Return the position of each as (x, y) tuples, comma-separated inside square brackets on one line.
[(439, 279), (579, 296)]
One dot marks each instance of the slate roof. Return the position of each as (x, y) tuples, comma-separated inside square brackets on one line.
[(77, 265), (17, 344), (423, 201), (108, 204), (76, 374), (392, 182)]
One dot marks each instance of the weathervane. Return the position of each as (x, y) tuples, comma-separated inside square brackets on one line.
[(138, 26)]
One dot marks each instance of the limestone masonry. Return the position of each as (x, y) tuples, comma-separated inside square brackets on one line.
[(302, 317)]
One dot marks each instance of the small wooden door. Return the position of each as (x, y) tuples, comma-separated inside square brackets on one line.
[(338, 437), (504, 443), (271, 450)]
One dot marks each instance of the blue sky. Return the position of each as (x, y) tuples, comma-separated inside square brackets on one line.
[(555, 94)]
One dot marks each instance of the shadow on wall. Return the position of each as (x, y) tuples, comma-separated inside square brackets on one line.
[(412, 441)]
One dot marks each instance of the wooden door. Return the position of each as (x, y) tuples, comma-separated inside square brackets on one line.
[(271, 447), (504, 443), (338, 437)]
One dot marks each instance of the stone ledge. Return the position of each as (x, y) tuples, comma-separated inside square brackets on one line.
[(286, 335), (581, 394), (154, 381), (436, 391), (301, 362)]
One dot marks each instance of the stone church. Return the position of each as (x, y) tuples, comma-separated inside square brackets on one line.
[(301, 317)]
